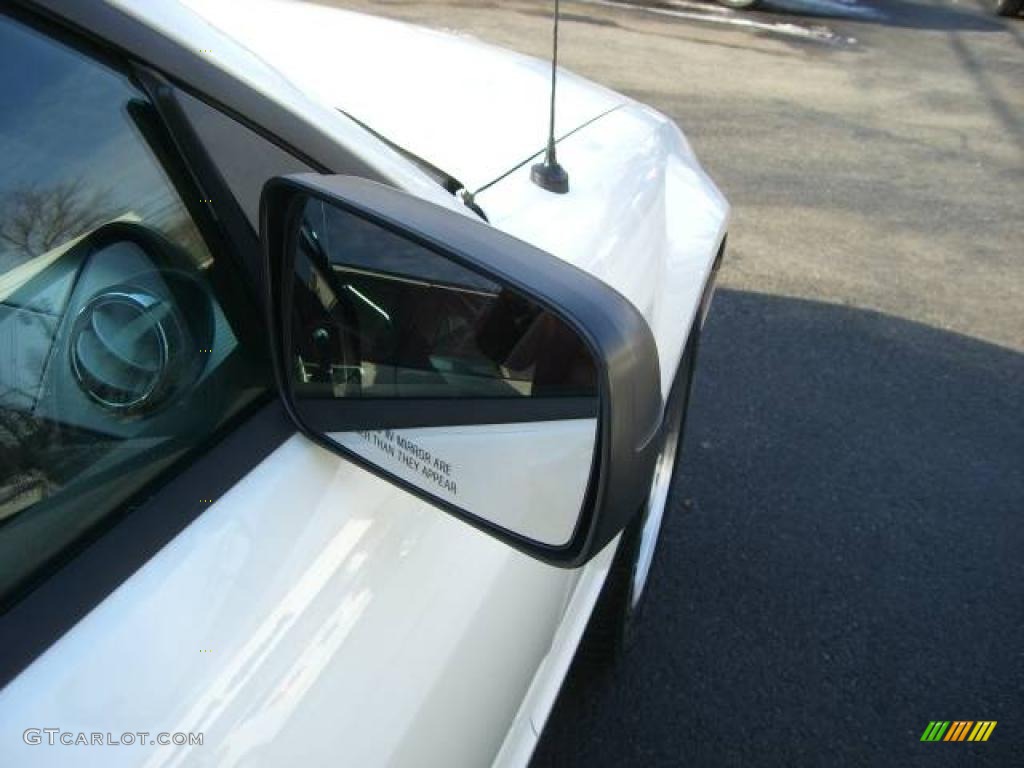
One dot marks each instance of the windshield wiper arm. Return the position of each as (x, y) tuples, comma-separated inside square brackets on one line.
[(455, 187)]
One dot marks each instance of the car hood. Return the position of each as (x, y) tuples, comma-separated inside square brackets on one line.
[(470, 109)]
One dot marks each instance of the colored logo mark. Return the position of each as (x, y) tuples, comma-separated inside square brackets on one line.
[(958, 730)]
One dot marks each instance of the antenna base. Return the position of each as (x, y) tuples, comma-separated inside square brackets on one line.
[(550, 176)]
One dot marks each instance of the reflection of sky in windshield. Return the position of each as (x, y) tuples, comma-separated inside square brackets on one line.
[(63, 119)]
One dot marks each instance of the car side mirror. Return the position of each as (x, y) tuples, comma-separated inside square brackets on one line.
[(490, 378)]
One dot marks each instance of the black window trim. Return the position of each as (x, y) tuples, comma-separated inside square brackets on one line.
[(240, 239)]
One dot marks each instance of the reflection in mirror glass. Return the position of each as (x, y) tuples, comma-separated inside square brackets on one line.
[(375, 314)]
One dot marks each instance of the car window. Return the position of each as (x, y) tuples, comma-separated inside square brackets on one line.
[(122, 339)]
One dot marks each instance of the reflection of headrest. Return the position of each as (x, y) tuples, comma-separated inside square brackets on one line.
[(504, 323)]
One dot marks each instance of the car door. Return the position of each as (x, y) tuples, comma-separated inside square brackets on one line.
[(185, 579)]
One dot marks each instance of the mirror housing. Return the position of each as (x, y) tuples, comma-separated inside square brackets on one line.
[(621, 345)]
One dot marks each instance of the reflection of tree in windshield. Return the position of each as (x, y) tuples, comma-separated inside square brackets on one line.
[(74, 155), (34, 219)]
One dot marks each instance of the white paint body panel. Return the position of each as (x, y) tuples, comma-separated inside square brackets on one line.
[(350, 623)]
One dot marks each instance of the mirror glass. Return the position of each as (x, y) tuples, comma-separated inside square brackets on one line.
[(507, 389), (377, 315)]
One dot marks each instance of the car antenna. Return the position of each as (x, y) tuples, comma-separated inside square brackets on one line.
[(550, 175)]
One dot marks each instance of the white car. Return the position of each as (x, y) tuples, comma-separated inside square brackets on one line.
[(324, 430)]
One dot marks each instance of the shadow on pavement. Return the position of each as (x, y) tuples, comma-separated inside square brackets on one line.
[(844, 558)]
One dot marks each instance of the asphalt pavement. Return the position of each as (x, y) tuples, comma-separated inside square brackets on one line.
[(842, 562), (844, 557)]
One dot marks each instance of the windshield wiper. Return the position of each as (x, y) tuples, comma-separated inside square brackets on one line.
[(455, 187)]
